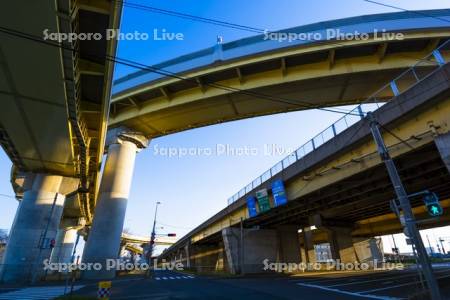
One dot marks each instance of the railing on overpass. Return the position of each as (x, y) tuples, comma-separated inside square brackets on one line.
[(423, 68)]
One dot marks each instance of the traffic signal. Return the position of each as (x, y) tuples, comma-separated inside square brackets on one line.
[(432, 204)]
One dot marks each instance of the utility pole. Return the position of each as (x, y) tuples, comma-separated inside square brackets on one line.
[(441, 240), (429, 245), (410, 224)]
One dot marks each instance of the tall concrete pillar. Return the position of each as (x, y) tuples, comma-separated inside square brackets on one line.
[(289, 244), (341, 243), (35, 224), (310, 253), (188, 255), (65, 240), (443, 144), (104, 237), (259, 245)]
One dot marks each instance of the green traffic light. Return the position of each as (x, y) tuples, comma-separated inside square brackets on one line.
[(435, 210)]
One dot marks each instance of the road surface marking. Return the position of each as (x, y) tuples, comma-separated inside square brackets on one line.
[(37, 293), (346, 292), (165, 278), (399, 285), (157, 278), (379, 279), (313, 278), (170, 277)]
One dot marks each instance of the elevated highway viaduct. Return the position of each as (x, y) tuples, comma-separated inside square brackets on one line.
[(136, 244), (248, 78), (53, 121), (341, 189), (241, 79)]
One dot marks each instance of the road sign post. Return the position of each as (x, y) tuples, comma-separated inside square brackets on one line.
[(409, 221)]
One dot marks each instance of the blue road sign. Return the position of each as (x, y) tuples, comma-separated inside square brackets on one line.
[(251, 206), (279, 193)]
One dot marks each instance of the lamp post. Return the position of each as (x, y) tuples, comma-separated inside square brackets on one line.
[(152, 236)]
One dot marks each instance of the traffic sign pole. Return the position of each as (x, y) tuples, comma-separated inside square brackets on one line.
[(406, 209)]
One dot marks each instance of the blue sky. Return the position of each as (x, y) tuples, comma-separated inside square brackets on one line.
[(193, 188)]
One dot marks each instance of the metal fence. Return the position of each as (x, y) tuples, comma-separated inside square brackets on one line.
[(422, 69)]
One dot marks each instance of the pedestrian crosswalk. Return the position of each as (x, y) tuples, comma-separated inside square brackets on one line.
[(36, 293), (173, 277)]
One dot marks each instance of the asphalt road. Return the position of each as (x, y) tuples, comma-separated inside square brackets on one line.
[(171, 285), (336, 285), (376, 285)]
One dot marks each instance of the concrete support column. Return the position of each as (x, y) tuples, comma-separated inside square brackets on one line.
[(289, 244), (104, 237), (188, 256), (65, 241), (38, 214), (341, 243), (443, 144), (310, 253), (259, 245)]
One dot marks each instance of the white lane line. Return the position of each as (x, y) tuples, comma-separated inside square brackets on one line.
[(185, 277), (165, 278), (381, 278), (36, 293), (171, 277), (313, 279), (190, 276), (157, 278), (177, 277), (398, 285), (346, 292)]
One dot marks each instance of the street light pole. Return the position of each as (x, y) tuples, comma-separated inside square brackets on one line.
[(410, 224), (152, 236)]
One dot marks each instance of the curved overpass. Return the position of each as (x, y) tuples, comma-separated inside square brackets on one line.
[(136, 239), (258, 76)]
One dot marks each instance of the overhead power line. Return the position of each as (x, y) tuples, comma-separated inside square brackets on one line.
[(190, 17), (420, 13), (140, 66)]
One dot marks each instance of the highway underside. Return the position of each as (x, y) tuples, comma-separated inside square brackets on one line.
[(367, 194), (362, 201)]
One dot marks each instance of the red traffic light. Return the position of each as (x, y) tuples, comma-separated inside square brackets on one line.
[(171, 234)]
